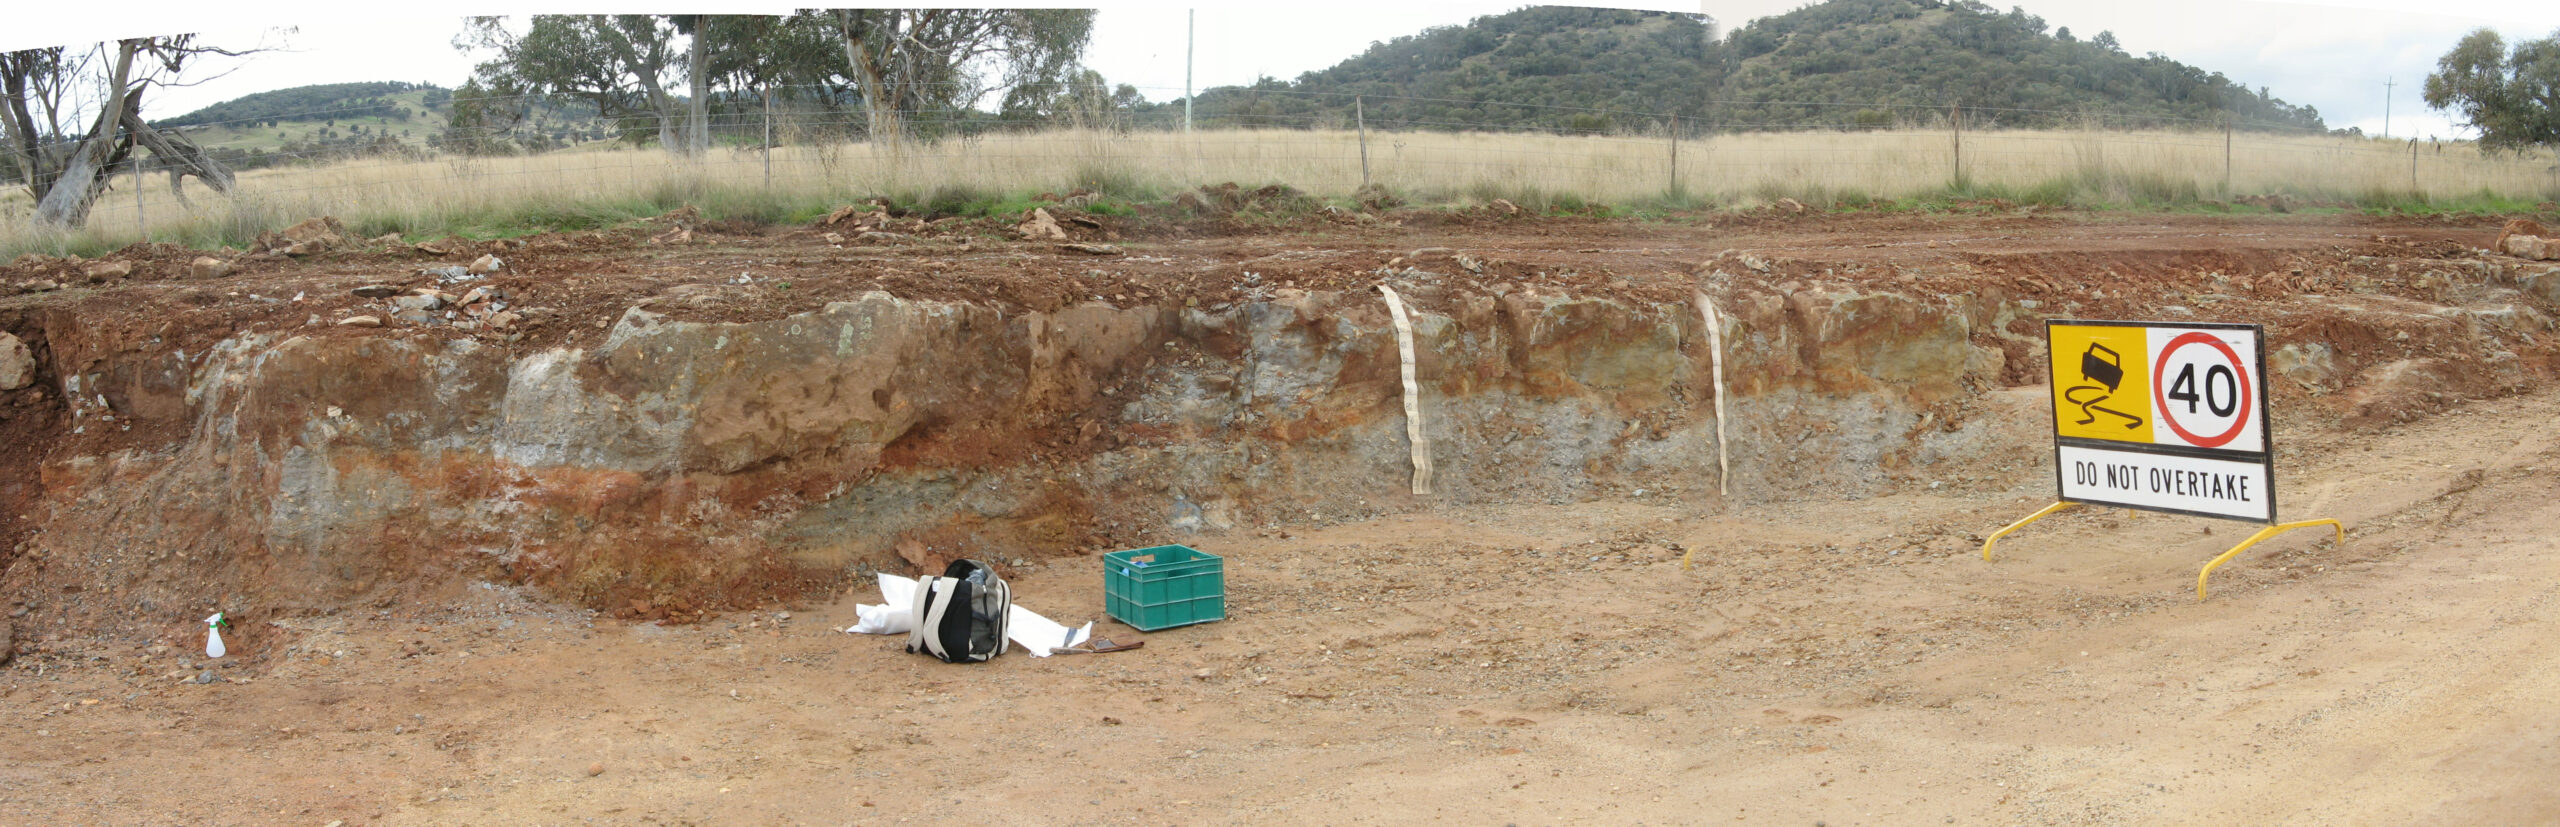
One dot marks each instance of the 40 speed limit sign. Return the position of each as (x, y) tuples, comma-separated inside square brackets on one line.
[(2162, 416)]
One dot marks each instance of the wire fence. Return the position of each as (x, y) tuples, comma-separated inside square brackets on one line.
[(805, 147)]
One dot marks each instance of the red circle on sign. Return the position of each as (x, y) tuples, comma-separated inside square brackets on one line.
[(2160, 401)]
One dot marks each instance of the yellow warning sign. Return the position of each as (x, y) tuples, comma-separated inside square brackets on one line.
[(2101, 383)]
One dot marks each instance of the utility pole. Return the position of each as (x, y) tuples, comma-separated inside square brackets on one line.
[(2387, 84), (1190, 45)]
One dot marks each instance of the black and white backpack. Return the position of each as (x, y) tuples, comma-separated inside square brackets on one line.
[(960, 616)]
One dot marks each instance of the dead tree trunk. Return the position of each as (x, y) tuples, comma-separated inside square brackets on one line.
[(182, 158), (84, 174)]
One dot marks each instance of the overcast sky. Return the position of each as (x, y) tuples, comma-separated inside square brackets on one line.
[(2333, 54)]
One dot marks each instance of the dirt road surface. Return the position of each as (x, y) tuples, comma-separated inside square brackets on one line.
[(1822, 661)]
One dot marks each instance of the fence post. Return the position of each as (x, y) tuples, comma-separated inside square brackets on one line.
[(1955, 117), (1675, 155), (2226, 157), (768, 138), (145, 221), (2413, 166), (1360, 121)]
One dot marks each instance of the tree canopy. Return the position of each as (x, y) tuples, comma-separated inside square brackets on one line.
[(907, 69), (2512, 97), (1843, 63)]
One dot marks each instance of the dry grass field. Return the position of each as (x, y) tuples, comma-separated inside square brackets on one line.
[(593, 185)]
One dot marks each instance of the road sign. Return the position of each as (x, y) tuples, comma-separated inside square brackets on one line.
[(2162, 416)]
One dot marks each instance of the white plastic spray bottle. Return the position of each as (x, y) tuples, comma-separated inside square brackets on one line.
[(213, 635)]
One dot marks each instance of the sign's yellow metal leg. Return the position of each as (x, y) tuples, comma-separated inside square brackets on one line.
[(2254, 539), (1996, 535)]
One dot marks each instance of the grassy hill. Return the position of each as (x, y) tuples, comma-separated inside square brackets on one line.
[(1843, 63), (339, 120)]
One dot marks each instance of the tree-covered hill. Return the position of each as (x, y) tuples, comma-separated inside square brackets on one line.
[(1843, 63), (319, 102)]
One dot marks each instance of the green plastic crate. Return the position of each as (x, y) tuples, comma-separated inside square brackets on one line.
[(1164, 586)]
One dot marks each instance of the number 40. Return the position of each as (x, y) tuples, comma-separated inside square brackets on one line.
[(2221, 389)]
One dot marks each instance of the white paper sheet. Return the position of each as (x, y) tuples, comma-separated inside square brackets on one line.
[(895, 615), (1036, 634)]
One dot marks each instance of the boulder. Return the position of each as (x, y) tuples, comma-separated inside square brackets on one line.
[(208, 267), (311, 237), (2532, 247), (2516, 227), (1038, 225), (17, 363), (107, 270), (486, 265)]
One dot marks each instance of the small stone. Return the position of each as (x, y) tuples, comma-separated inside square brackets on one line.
[(420, 302), (376, 291), (208, 267), (486, 265), (205, 677), (1204, 674), (595, 769), (361, 321)]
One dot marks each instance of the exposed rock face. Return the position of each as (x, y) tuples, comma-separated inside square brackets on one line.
[(687, 464)]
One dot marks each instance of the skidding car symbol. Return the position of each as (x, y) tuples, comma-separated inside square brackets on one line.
[(2108, 374)]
